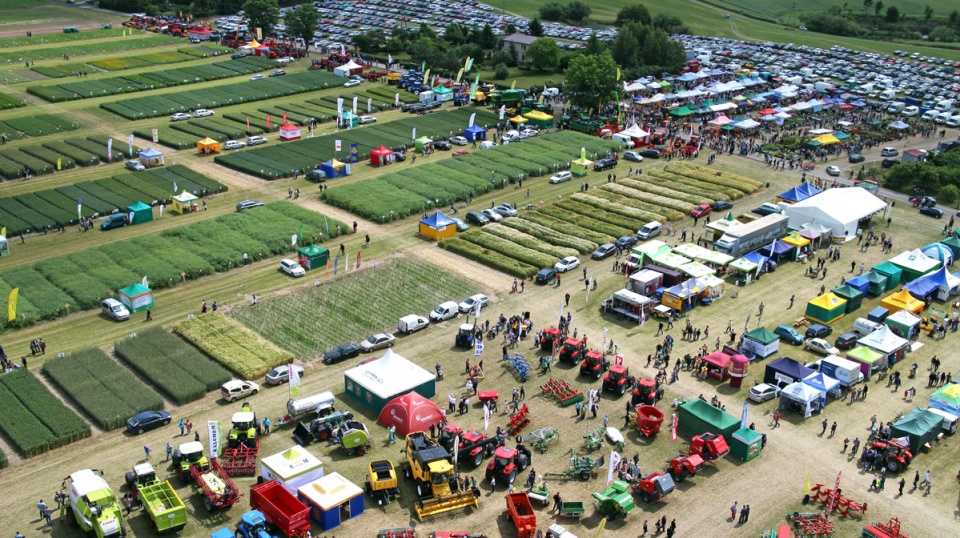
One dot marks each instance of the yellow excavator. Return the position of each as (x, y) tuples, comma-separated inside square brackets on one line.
[(438, 488)]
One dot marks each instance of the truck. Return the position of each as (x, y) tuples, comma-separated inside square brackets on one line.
[(166, 511), (92, 505), (208, 477), (381, 481), (321, 404), (280, 508), (430, 466), (740, 240), (843, 370)]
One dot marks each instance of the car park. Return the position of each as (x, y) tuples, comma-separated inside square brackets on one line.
[(763, 392), (818, 330), (135, 166), (604, 164), (180, 116), (117, 220), (604, 251), (281, 374), (722, 205), (567, 264), (341, 352), (202, 113), (491, 215), (477, 218), (833, 171), (249, 204), (351, 83), (846, 341), (363, 120), (788, 334), (701, 210), (560, 177), (821, 346), (445, 311), (292, 268), (234, 144), (114, 310), (147, 420), (458, 140), (377, 341), (547, 275), (236, 389), (256, 140), (633, 156), (934, 212), (470, 303), (412, 323)]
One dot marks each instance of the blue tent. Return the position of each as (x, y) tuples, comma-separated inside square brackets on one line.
[(779, 250), (808, 189), (756, 257), (791, 195), (333, 168), (784, 371), (922, 288), (859, 103), (475, 133), (823, 383), (860, 283)]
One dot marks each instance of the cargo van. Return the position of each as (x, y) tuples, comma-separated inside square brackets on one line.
[(895, 107), (887, 95), (943, 117), (911, 110), (843, 370), (954, 121), (944, 105), (447, 310), (931, 114), (864, 326), (650, 230), (949, 420), (322, 404), (412, 323), (623, 139)]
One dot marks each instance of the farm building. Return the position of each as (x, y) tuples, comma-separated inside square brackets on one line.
[(377, 382)]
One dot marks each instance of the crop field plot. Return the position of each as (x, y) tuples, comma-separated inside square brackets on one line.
[(144, 60), (219, 129), (233, 345), (279, 162), (33, 419), (38, 125), (313, 321), (20, 55), (107, 393), (180, 370), (41, 210), (9, 101), (59, 38), (149, 80)]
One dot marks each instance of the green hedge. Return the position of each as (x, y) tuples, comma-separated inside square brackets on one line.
[(587, 222), (33, 418), (717, 177)]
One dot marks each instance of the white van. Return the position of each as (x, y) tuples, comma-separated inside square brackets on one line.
[(650, 230), (864, 326), (949, 420), (623, 139), (944, 105), (446, 310), (954, 121), (412, 323), (911, 111), (930, 115), (943, 117), (895, 107), (888, 95)]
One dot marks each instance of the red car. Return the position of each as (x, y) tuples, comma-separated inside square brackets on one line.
[(701, 210), (460, 152)]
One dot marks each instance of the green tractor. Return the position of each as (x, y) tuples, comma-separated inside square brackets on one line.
[(92, 505), (616, 502), (188, 455), (245, 430)]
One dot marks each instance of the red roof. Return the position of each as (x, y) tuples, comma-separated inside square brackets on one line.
[(410, 413)]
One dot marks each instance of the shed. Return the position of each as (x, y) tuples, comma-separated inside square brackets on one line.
[(745, 444), (893, 273), (947, 399), (761, 342), (627, 303), (312, 257), (208, 145), (410, 413), (784, 371), (475, 133), (670, 277), (438, 226), (888, 344), (683, 296), (288, 132), (540, 119), (915, 263), (870, 361), (940, 252), (183, 203), (902, 300), (920, 426), (292, 468), (136, 297), (852, 295), (151, 157), (645, 281), (331, 500), (697, 416), (349, 120), (139, 212), (903, 324), (377, 382), (826, 308), (878, 283), (381, 156)]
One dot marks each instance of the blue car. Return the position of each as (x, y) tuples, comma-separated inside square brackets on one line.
[(789, 334), (147, 420)]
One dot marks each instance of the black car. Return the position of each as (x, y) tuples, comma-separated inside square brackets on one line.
[(846, 341), (889, 163), (405, 107), (147, 420), (818, 330), (443, 145), (477, 218), (316, 176), (343, 351), (650, 153), (856, 158), (722, 205), (626, 242), (604, 251), (547, 276), (604, 164), (399, 156), (934, 212)]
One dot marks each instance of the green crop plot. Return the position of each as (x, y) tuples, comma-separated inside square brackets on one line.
[(9, 101), (233, 345), (147, 41), (33, 418)]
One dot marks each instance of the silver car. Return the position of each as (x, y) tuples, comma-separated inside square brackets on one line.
[(114, 309)]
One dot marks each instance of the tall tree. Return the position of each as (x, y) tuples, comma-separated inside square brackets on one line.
[(553, 11), (262, 14), (626, 47), (487, 39), (536, 27), (877, 7), (893, 14), (927, 12), (302, 21), (594, 45), (591, 80), (577, 11), (543, 54), (633, 13)]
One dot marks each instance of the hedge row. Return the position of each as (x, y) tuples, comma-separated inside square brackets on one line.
[(107, 393), (664, 212), (33, 418), (623, 188), (586, 221), (180, 370), (60, 37), (668, 192), (141, 60), (233, 345), (494, 259), (529, 241), (80, 49), (568, 228)]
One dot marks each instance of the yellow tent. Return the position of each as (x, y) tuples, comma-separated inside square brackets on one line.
[(184, 203), (541, 119), (826, 308), (518, 119), (827, 139), (252, 44), (902, 300), (208, 145), (796, 240)]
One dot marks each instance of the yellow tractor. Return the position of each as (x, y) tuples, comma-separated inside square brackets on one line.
[(431, 467)]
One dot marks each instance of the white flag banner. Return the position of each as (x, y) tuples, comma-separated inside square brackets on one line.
[(456, 453), (354, 104), (503, 110), (145, 282), (486, 416), (175, 191), (213, 434), (614, 463), (478, 348), (396, 100), (338, 145), (293, 240), (413, 135), (369, 105), (294, 381), (130, 145), (339, 106), (389, 60), (109, 149), (473, 118)]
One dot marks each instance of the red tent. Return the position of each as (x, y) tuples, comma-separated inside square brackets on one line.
[(717, 364), (410, 413), (380, 156)]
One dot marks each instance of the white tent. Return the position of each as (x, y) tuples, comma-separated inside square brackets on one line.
[(885, 342), (747, 124), (347, 69), (377, 382), (803, 395), (293, 468), (915, 261), (837, 209), (634, 131)]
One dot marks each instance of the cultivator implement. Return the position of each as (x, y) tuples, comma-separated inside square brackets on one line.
[(812, 524), (397, 533), (593, 439), (520, 364), (581, 467), (240, 461), (540, 440), (519, 421), (562, 392), (841, 504), (891, 529)]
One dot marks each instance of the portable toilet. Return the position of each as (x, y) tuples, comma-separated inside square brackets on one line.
[(745, 444)]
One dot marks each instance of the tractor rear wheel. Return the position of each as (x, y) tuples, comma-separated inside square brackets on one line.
[(599, 373), (622, 390), (893, 465), (512, 477), (478, 459), (584, 475), (324, 435)]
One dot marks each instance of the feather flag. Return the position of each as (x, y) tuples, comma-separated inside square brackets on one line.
[(79, 207), (673, 428), (175, 187), (294, 380), (268, 121), (369, 105), (354, 104), (473, 117), (59, 163), (426, 77), (145, 282), (396, 100), (358, 261), (486, 412), (12, 304), (259, 33), (503, 111), (478, 348), (414, 134), (110, 150), (423, 66), (513, 85), (284, 117), (336, 265), (327, 272), (248, 124), (618, 73), (459, 74), (469, 65), (614, 463), (806, 487), (130, 145), (389, 60)]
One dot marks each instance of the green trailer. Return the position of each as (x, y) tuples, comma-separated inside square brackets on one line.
[(161, 503), (616, 502)]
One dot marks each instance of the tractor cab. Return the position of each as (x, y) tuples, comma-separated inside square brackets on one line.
[(594, 364), (647, 392), (572, 350), (618, 378), (507, 463), (450, 432), (188, 455), (896, 453), (143, 474), (465, 335), (244, 430), (551, 335)]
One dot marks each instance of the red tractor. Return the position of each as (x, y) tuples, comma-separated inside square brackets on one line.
[(571, 351), (896, 454), (594, 364), (709, 446), (507, 463), (618, 379), (472, 446), (647, 392), (551, 336), (684, 465), (654, 486)]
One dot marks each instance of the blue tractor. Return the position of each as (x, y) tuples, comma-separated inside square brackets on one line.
[(253, 525)]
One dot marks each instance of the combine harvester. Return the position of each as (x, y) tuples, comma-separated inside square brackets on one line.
[(92, 505), (431, 468)]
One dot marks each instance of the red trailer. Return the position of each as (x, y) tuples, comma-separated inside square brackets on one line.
[(520, 511), (218, 490), (281, 508)]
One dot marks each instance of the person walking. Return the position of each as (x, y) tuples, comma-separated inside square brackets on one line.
[(182, 424), (146, 451), (42, 507), (833, 428), (169, 452), (733, 511), (824, 429), (903, 482), (266, 426), (557, 501)]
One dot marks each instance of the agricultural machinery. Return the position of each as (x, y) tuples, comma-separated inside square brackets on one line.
[(431, 468), (709, 446), (281, 509), (382, 481), (208, 476), (465, 335), (353, 436), (572, 351), (618, 380), (562, 391), (594, 364), (520, 365), (321, 428), (540, 440), (683, 466), (896, 453), (245, 428), (647, 392), (551, 337), (470, 446), (890, 529), (92, 504), (654, 486), (616, 502), (593, 439), (581, 468), (507, 463), (649, 420), (521, 513), (166, 511), (253, 524)]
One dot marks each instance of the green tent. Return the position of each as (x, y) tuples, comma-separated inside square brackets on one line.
[(953, 243), (878, 283), (682, 111), (136, 297), (697, 416), (920, 426), (313, 257), (826, 308), (762, 342), (540, 119), (852, 295), (745, 444), (892, 272), (139, 213), (421, 143), (349, 119), (867, 359)]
